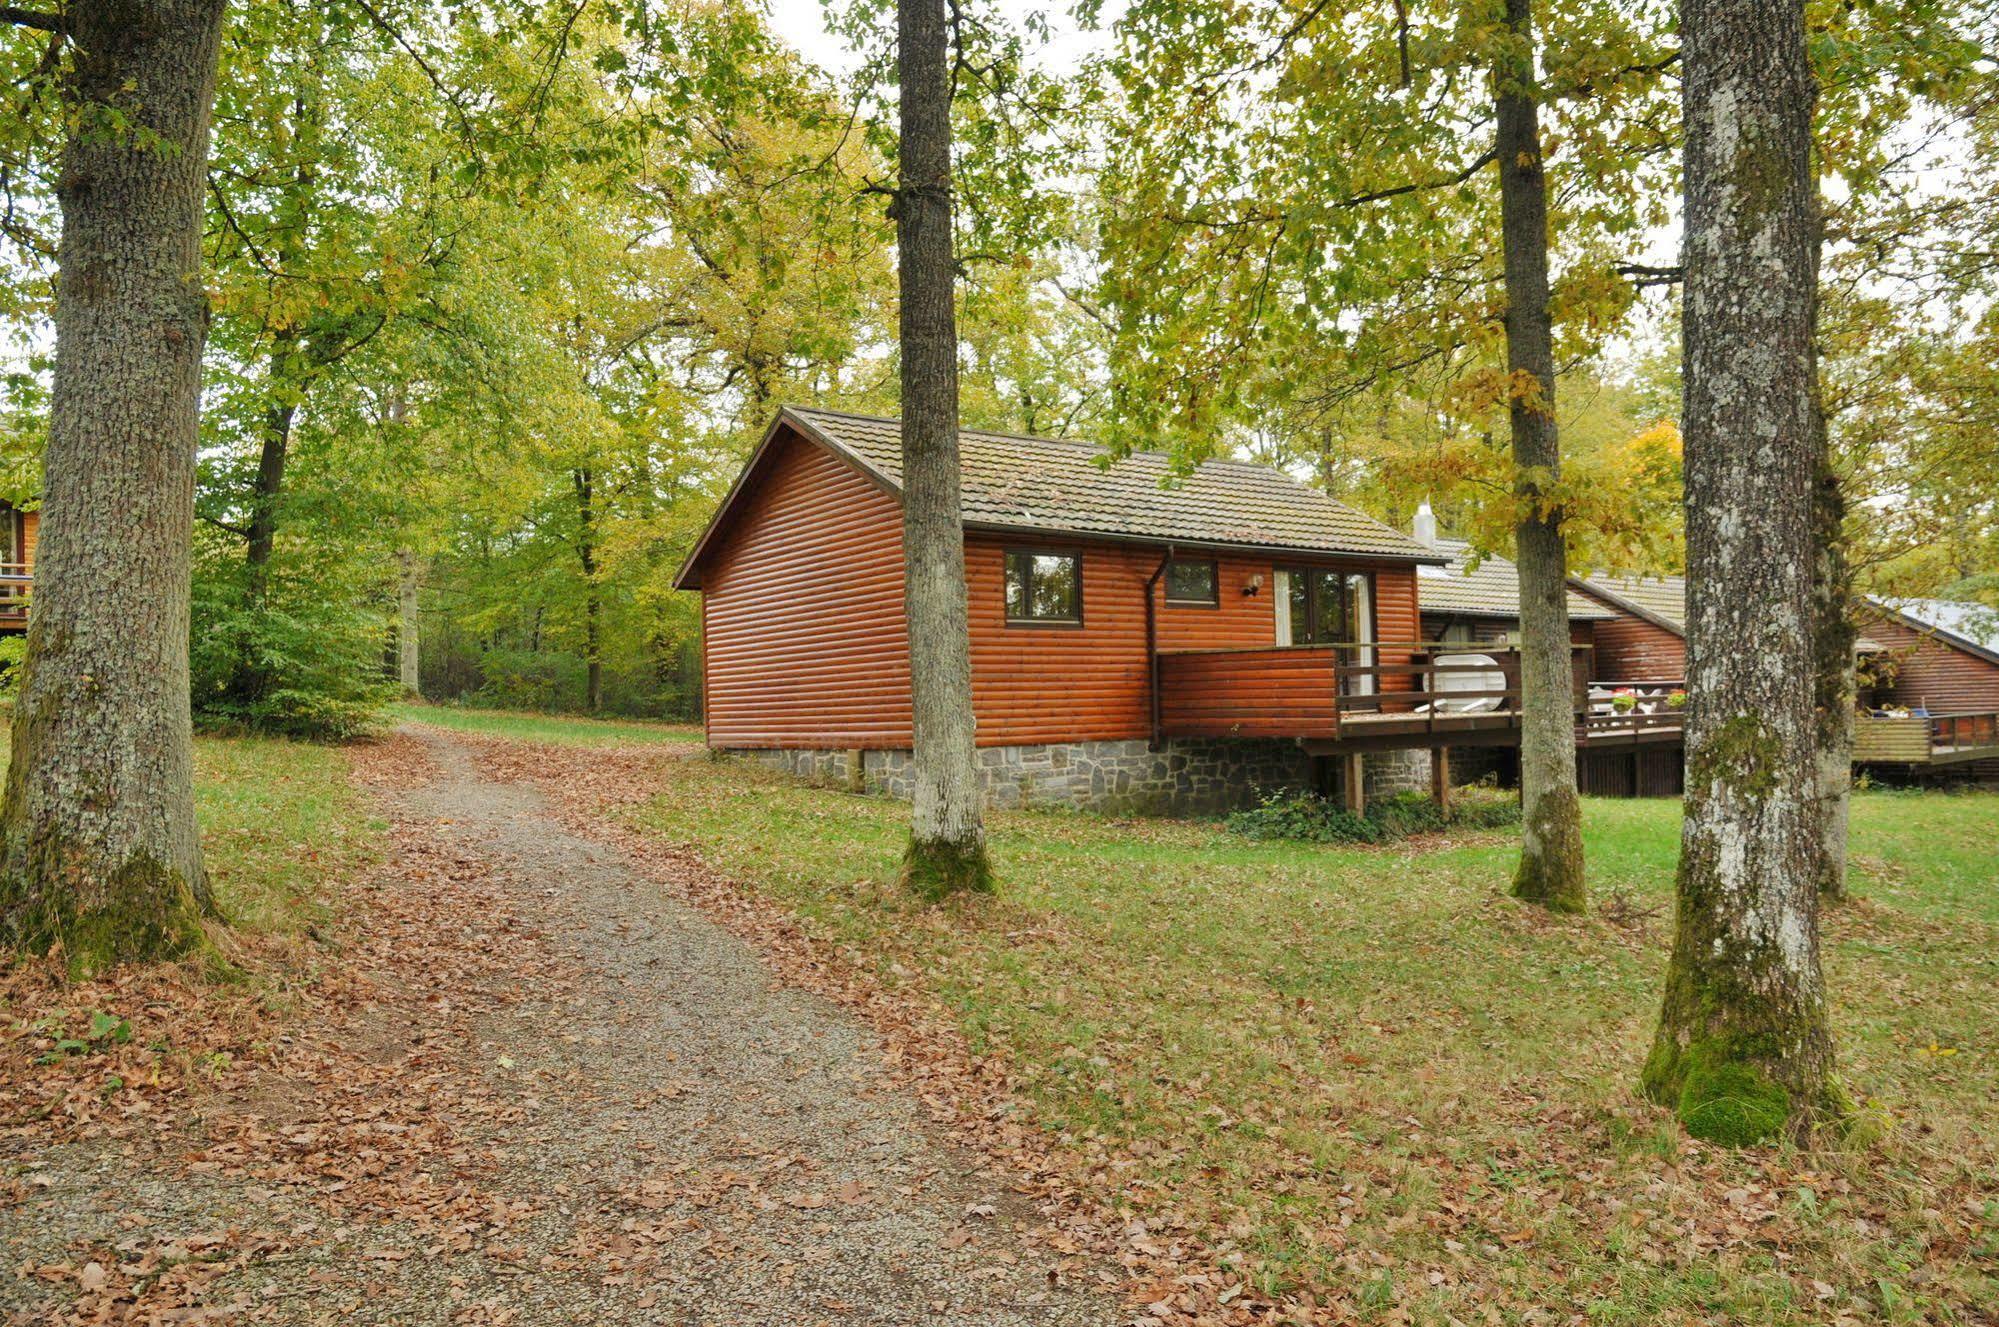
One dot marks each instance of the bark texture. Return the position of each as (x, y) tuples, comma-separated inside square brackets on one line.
[(101, 853), (947, 850), (1551, 844), (1744, 1051)]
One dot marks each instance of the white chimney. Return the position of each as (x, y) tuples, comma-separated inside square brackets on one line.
[(1424, 527)]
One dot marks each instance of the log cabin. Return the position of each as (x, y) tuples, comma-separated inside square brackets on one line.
[(1930, 691), (1929, 671), (1140, 640), (19, 531)]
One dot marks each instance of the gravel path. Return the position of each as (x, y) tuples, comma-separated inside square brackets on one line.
[(678, 1138)]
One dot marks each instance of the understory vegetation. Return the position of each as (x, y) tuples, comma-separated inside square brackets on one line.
[(1311, 818), (1366, 1064)]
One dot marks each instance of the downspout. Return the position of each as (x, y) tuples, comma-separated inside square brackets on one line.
[(1152, 643)]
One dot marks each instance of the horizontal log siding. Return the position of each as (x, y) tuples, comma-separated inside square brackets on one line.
[(804, 642), (1033, 684), (1631, 649), (1931, 673), (1249, 693)]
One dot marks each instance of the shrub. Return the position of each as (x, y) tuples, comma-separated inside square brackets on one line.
[(1311, 818)]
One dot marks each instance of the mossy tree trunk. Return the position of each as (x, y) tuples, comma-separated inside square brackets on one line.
[(1744, 1051), (1551, 845), (101, 853), (947, 848)]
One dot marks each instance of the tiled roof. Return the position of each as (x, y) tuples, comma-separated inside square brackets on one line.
[(1973, 625), (1662, 598), (1044, 484), (1490, 590)]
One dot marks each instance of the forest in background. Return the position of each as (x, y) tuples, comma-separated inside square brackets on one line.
[(504, 295)]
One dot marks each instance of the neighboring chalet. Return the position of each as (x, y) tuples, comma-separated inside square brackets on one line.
[(1176, 647), (1930, 690), (1929, 672), (1625, 747), (19, 531)]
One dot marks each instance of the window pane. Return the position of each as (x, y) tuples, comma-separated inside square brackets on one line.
[(1043, 587), (1191, 582), (1301, 607), (1329, 626)]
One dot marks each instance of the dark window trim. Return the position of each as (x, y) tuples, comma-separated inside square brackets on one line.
[(1214, 567), (1055, 623)]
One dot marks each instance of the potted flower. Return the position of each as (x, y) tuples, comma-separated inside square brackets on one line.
[(1624, 701), (1676, 699)]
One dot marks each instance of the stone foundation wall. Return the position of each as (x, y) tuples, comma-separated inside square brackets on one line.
[(1184, 777)]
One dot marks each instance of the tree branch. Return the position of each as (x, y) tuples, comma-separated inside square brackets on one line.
[(33, 18)]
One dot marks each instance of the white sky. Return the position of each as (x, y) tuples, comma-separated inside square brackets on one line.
[(803, 24)]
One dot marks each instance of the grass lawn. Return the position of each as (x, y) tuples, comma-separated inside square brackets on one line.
[(565, 730), (1367, 1068), (280, 823)]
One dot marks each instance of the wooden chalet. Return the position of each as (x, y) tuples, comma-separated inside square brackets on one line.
[(1930, 690), (1176, 645), (1147, 641), (1929, 671)]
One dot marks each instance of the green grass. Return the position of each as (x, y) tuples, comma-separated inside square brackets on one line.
[(563, 730), (1378, 1072), (281, 827)]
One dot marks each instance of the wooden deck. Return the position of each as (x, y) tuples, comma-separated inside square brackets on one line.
[(17, 580), (1936, 739), (1339, 700)]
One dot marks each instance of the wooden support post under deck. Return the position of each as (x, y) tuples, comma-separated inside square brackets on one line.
[(1354, 783), (1440, 777)]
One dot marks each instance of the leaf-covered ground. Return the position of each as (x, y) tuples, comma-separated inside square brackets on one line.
[(498, 1062), (1364, 1080), (492, 1074)]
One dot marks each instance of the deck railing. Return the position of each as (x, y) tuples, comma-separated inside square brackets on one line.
[(1315, 690), (17, 582), (1925, 739)]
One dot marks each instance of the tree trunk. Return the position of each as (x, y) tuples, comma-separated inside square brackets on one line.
[(947, 849), (1551, 843), (586, 553), (101, 851), (1836, 688), (408, 640), (1744, 1051)]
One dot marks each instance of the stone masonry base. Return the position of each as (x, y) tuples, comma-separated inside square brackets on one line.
[(1186, 777)]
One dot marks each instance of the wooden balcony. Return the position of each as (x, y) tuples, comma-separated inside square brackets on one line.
[(1925, 739), (17, 581), (1352, 697)]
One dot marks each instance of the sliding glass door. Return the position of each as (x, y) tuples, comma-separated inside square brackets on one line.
[(1327, 606)]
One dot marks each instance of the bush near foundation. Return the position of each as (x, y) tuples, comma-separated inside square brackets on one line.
[(1311, 818)]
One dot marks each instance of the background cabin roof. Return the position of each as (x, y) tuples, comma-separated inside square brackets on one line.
[(1051, 486), (1658, 599), (1492, 589), (1973, 627)]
